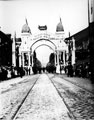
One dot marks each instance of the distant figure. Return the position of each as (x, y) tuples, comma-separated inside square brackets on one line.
[(4, 73), (70, 70), (60, 69), (43, 69), (40, 70), (21, 71)]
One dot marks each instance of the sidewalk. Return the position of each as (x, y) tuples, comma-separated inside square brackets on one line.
[(83, 82), (43, 103), (6, 84)]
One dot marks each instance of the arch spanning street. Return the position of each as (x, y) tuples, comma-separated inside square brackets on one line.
[(40, 42), (55, 41), (44, 45)]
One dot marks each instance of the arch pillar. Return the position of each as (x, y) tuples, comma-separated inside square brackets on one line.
[(58, 65), (73, 52), (32, 59), (20, 60), (30, 62), (64, 57), (13, 52), (55, 58), (29, 59)]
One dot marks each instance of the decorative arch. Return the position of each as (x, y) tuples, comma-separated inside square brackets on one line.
[(45, 40), (44, 45)]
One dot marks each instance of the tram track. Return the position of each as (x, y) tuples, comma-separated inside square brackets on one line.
[(23, 100), (76, 101), (76, 84), (17, 112), (70, 113), (43, 103)]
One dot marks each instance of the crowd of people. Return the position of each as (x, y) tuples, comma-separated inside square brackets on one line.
[(11, 72), (81, 70)]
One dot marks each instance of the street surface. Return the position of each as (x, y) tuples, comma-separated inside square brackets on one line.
[(79, 99), (12, 93), (52, 97)]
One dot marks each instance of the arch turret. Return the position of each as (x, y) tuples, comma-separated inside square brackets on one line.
[(26, 28), (59, 27)]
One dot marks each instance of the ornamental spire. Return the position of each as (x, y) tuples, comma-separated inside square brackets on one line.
[(26, 21), (60, 19)]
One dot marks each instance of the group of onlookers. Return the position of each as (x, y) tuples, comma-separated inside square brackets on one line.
[(11, 72), (3, 73), (81, 70)]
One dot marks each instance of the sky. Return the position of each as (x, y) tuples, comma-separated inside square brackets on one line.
[(74, 15), (45, 53)]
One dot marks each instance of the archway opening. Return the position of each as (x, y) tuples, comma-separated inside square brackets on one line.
[(43, 53), (43, 48)]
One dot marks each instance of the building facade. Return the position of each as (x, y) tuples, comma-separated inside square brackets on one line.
[(81, 46), (5, 49)]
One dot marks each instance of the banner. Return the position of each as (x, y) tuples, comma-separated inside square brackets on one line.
[(42, 27)]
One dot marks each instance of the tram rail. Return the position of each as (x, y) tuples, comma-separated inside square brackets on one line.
[(23, 100), (70, 114), (78, 85), (84, 101)]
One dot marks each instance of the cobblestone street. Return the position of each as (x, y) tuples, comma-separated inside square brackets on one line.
[(52, 97), (43, 103), (80, 100), (12, 93)]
